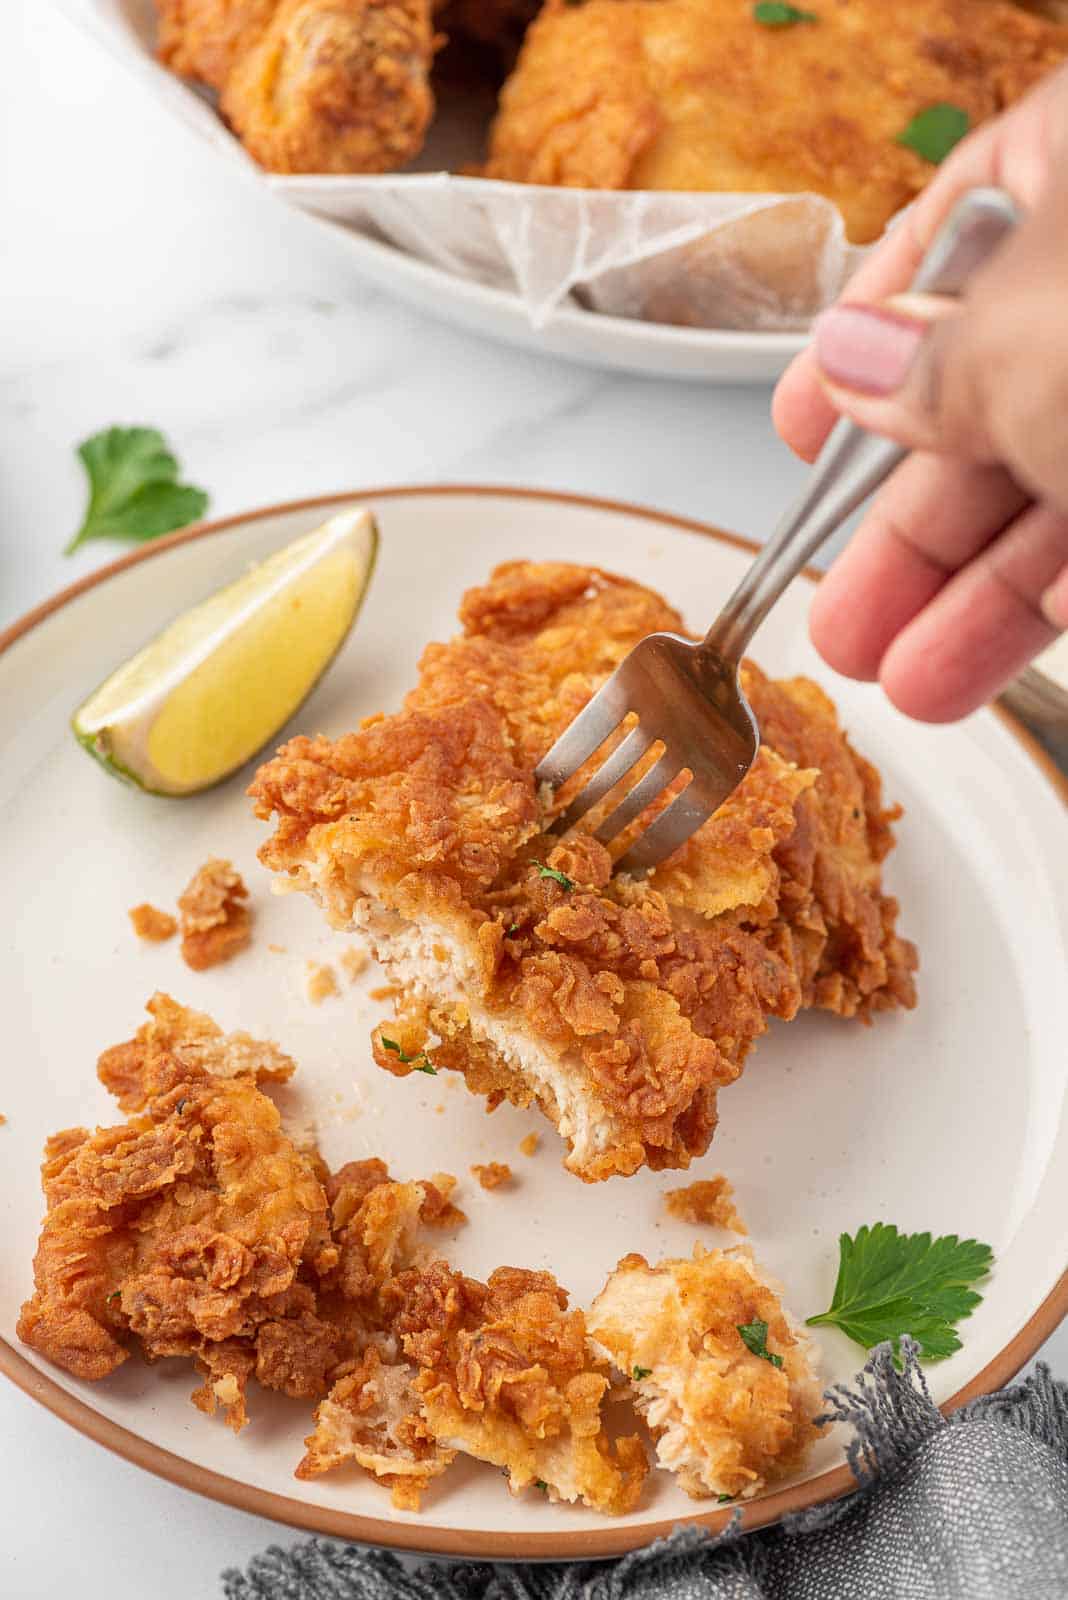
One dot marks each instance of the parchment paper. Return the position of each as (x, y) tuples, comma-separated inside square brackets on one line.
[(754, 262)]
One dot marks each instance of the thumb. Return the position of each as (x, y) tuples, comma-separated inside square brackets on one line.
[(913, 369)]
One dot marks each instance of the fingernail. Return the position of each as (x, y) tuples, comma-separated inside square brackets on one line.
[(867, 348)]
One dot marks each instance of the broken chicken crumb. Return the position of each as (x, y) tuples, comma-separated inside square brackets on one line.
[(355, 960), (492, 1174), (530, 1144), (319, 981), (150, 923), (708, 1200), (215, 922)]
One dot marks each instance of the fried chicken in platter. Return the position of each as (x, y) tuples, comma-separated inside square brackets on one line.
[(698, 95)]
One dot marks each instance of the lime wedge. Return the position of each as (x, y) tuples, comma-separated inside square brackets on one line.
[(211, 689)]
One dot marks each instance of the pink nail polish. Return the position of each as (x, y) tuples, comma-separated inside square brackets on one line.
[(865, 348)]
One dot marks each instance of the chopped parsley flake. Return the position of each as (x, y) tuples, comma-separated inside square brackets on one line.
[(421, 1062), (773, 14), (638, 1373), (934, 131), (566, 883), (754, 1336)]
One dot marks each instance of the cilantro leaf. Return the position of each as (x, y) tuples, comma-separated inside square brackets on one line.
[(892, 1283), (421, 1062), (134, 491), (774, 14), (723, 1498), (566, 883), (754, 1335), (933, 132), (638, 1373)]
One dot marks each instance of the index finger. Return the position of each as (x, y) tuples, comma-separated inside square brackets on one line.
[(1015, 153)]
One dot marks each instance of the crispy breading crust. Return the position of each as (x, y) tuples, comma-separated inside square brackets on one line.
[(215, 921), (187, 1226), (726, 1420), (335, 86), (697, 95), (645, 995)]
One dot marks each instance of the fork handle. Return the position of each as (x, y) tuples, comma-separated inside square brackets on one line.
[(853, 462)]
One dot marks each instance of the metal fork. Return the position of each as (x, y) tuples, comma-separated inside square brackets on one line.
[(687, 697)]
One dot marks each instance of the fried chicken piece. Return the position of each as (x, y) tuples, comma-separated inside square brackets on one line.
[(205, 39), (709, 1200), (698, 95), (184, 1230), (335, 86), (215, 922), (372, 1414), (150, 923), (619, 1005), (506, 1376), (726, 1420), (371, 1417)]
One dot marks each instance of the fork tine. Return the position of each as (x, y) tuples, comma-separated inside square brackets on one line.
[(606, 777), (585, 734), (663, 837), (643, 794)]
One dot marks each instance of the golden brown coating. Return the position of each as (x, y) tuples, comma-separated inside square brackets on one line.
[(506, 1375), (335, 86), (204, 39), (708, 1200), (726, 1419), (621, 1006), (185, 1228), (215, 921), (500, 1370), (152, 924), (698, 95)]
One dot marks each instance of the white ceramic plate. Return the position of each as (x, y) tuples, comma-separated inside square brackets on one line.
[(950, 1119)]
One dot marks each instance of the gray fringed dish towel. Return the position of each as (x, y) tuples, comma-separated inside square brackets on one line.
[(975, 1508)]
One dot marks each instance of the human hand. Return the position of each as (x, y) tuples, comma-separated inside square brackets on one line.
[(958, 573)]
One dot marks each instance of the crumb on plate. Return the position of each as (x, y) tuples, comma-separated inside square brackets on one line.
[(150, 923), (319, 981), (215, 922), (529, 1145), (354, 959), (491, 1174), (708, 1200)]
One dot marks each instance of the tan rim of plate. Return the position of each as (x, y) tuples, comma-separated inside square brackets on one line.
[(430, 1539)]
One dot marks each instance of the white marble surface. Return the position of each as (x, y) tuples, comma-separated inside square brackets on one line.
[(141, 283)]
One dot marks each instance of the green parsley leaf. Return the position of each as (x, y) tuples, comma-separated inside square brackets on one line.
[(540, 1483), (421, 1062), (892, 1283), (513, 928), (933, 132), (723, 1498), (566, 883), (773, 14), (116, 1294), (754, 1336), (134, 491), (638, 1373)]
